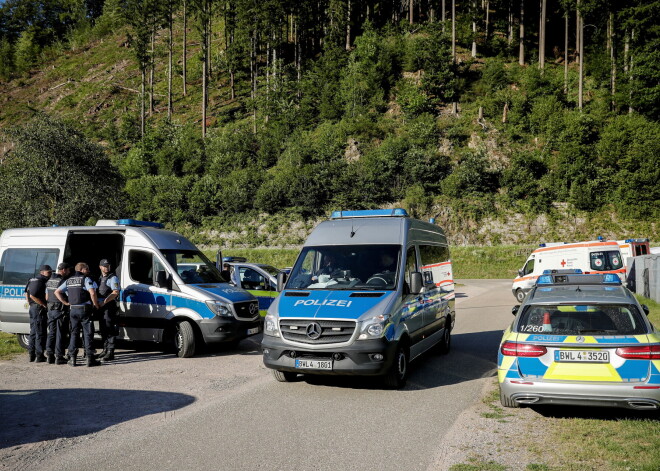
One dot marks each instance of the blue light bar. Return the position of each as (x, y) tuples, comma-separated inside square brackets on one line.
[(563, 271), (611, 278), (135, 222), (601, 238), (367, 213), (541, 245), (544, 280)]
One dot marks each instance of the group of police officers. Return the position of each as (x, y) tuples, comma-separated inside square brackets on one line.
[(61, 305)]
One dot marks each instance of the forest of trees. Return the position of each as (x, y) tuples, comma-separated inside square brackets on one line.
[(360, 103)]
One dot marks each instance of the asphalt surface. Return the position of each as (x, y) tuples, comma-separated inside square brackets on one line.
[(223, 410)]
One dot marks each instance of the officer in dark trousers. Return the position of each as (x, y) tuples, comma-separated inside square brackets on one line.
[(58, 320), (81, 291), (108, 295), (35, 294)]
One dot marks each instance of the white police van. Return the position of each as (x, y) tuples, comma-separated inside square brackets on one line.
[(370, 291), (158, 302)]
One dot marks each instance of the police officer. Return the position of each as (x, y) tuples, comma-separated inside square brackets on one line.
[(58, 321), (81, 291), (108, 295), (35, 294)]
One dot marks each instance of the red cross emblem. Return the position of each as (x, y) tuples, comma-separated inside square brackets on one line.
[(563, 263)]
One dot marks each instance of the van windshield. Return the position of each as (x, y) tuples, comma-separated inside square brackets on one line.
[(193, 267), (346, 267)]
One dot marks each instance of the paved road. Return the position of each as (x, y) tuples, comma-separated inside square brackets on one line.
[(150, 411)]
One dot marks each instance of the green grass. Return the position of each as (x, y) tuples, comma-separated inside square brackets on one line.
[(478, 465), (9, 346), (654, 309)]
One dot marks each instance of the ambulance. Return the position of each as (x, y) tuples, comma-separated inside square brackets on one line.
[(633, 248), (596, 256), (370, 291), (170, 292)]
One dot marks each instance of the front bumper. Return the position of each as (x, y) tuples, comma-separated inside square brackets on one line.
[(581, 394), (356, 359), (227, 329)]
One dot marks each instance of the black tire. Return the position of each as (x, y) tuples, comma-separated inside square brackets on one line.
[(506, 401), (520, 295), (184, 339), (397, 376), (23, 340), (445, 344), (284, 376)]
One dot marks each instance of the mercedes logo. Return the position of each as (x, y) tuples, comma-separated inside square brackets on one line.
[(314, 330), (253, 308), (579, 339)]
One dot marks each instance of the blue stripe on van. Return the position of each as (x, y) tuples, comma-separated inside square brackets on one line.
[(326, 304), (12, 292)]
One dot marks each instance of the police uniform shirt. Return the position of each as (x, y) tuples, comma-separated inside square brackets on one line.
[(36, 287), (113, 284), (87, 285)]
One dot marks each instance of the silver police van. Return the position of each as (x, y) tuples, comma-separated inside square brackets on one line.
[(369, 292), (158, 301)]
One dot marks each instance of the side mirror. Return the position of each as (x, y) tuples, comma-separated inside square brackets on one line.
[(218, 259), (520, 272), (281, 281), (162, 280), (515, 309), (645, 308), (416, 282)]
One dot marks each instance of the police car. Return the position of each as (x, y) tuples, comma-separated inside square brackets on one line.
[(580, 339), (258, 279)]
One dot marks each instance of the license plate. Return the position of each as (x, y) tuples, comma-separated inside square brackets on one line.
[(314, 364), (586, 356), (254, 330)]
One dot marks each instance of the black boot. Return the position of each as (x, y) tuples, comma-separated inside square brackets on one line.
[(60, 361), (40, 359), (32, 356), (50, 358), (109, 356), (91, 361), (72, 360), (103, 353)]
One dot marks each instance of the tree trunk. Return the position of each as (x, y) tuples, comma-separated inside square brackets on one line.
[(566, 53), (474, 28), (630, 107), (348, 25), (454, 105), (487, 20), (510, 24), (142, 97), (444, 15), (521, 39), (542, 35), (612, 60), (411, 11), (581, 54), (151, 73), (185, 47), (170, 21)]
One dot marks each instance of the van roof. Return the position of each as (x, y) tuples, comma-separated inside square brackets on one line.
[(575, 245), (161, 238), (374, 231)]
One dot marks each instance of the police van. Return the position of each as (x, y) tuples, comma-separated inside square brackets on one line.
[(369, 292), (158, 301), (596, 256)]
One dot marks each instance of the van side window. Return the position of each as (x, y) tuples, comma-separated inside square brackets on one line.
[(529, 267), (141, 266), (251, 279), (433, 258), (411, 264), (19, 265)]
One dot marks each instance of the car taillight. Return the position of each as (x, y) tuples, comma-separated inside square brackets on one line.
[(645, 352), (514, 349)]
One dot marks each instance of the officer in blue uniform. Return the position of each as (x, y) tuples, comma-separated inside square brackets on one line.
[(58, 319), (35, 294), (81, 291), (108, 294)]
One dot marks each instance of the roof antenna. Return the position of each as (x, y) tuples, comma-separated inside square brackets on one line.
[(352, 231)]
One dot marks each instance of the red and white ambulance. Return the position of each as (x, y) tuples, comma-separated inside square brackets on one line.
[(596, 256)]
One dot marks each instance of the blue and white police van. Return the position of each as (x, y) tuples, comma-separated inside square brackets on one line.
[(369, 292), (158, 301)]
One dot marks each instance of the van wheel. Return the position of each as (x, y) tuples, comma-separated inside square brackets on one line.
[(284, 376), (445, 344), (397, 376), (23, 340), (520, 295), (184, 339), (506, 401)]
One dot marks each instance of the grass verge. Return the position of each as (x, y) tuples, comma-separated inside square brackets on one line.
[(9, 346)]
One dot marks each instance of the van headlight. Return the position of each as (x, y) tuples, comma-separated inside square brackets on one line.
[(270, 326), (219, 308), (374, 328)]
